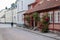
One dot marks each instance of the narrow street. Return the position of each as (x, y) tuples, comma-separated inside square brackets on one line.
[(19, 34), (29, 19)]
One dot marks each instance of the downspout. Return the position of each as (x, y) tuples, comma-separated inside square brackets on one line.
[(53, 20)]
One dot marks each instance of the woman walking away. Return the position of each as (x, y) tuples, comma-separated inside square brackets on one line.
[(12, 24)]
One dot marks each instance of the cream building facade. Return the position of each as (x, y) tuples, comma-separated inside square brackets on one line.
[(2, 16), (9, 15)]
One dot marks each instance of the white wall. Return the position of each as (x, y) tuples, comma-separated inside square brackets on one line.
[(23, 4), (10, 17), (2, 13), (20, 17), (15, 15), (2, 20)]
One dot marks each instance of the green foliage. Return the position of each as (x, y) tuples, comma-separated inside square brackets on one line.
[(28, 19), (45, 23), (45, 29), (36, 16)]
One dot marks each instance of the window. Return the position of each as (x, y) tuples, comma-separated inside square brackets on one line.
[(41, 15), (51, 20), (30, 7), (51, 16), (59, 17), (22, 5), (56, 17)]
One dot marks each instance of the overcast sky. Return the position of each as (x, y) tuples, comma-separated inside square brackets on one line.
[(4, 3)]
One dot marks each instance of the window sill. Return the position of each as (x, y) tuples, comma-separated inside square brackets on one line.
[(54, 23)]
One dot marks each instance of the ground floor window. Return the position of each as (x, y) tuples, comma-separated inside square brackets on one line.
[(41, 15), (59, 17), (55, 17), (51, 16)]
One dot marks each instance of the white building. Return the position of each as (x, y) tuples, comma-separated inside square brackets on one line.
[(14, 15), (11, 14), (2, 16), (8, 15), (22, 6)]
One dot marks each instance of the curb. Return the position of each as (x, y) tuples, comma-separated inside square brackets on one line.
[(25, 29)]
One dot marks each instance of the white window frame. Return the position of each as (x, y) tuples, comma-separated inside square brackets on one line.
[(57, 16), (50, 14)]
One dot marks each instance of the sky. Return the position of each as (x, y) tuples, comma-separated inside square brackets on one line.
[(4, 3)]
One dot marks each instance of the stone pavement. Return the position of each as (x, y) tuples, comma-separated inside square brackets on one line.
[(50, 35)]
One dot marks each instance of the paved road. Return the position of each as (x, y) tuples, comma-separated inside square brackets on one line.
[(6, 25), (19, 34)]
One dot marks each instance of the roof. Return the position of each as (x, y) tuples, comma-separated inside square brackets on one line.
[(36, 1), (45, 5), (32, 3)]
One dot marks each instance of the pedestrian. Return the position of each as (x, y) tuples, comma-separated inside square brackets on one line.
[(12, 24)]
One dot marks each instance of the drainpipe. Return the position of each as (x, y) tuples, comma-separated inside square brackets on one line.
[(53, 20)]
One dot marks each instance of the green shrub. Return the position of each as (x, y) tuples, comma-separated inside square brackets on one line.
[(36, 16), (28, 19), (45, 23)]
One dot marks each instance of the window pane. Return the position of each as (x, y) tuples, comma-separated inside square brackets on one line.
[(59, 17), (41, 15), (51, 16), (56, 16)]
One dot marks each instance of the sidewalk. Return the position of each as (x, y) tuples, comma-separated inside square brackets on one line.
[(50, 35)]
